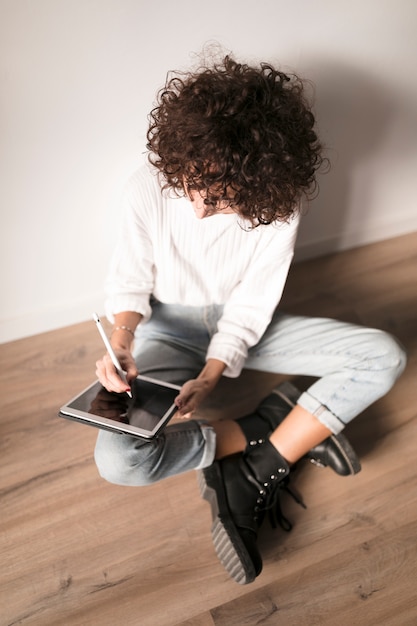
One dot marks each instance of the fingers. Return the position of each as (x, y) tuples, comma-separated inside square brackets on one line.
[(131, 372), (185, 400), (109, 378), (184, 411), (190, 397), (107, 375)]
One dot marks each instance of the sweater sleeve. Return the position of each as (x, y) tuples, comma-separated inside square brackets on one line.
[(252, 303), (130, 279)]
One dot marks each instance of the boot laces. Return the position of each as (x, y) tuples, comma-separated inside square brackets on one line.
[(272, 504)]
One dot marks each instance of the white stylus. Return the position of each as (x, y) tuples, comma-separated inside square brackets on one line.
[(111, 352)]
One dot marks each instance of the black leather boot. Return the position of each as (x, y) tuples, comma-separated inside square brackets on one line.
[(240, 489), (335, 452)]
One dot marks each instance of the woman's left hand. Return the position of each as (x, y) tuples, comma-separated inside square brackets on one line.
[(194, 391)]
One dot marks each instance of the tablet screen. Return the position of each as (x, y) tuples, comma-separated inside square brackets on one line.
[(151, 406)]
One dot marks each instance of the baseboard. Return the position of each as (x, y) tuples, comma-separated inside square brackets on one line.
[(354, 239)]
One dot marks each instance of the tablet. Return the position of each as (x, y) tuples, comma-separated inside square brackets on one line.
[(144, 415)]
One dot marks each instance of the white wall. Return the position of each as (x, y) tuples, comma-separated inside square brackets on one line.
[(78, 78)]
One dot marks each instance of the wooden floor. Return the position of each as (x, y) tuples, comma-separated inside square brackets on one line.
[(76, 551)]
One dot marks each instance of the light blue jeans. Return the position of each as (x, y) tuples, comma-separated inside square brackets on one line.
[(354, 365)]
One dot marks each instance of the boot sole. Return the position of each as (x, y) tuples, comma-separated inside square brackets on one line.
[(352, 462), (227, 542)]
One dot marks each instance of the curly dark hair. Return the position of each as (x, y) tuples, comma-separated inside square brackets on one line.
[(244, 136)]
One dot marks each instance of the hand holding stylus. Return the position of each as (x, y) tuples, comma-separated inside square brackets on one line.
[(121, 374)]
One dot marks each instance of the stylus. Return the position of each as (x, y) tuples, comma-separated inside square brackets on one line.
[(110, 351)]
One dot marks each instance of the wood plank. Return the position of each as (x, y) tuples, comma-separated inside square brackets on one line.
[(353, 586), (78, 551)]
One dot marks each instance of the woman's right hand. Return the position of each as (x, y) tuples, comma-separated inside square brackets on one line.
[(107, 373)]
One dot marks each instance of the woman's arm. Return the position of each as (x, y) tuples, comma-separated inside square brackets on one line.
[(246, 314), (252, 303), (121, 339)]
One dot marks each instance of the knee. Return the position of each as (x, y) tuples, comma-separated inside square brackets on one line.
[(112, 467), (117, 461), (389, 357)]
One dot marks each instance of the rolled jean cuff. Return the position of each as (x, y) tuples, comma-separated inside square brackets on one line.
[(209, 451), (321, 412)]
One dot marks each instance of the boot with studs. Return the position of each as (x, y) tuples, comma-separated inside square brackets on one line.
[(335, 452), (240, 489)]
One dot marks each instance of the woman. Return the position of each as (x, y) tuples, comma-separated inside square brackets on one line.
[(207, 238)]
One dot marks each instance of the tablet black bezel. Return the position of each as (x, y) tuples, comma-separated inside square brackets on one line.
[(69, 412)]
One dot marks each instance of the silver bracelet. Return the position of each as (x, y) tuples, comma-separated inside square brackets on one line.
[(129, 330)]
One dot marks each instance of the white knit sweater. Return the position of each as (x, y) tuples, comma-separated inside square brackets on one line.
[(164, 250)]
